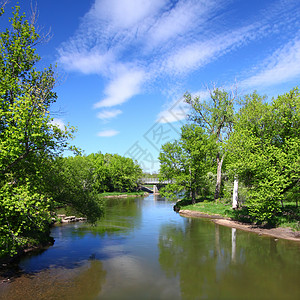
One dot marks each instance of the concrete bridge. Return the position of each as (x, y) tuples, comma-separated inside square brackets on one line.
[(155, 182)]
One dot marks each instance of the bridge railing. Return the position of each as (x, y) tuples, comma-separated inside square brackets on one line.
[(154, 181)]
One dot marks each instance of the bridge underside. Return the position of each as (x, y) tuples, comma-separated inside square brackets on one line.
[(155, 188)]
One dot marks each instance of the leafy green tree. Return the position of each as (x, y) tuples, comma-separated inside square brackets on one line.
[(28, 140), (124, 173), (100, 172), (185, 162), (265, 151), (215, 117), (115, 173), (71, 183)]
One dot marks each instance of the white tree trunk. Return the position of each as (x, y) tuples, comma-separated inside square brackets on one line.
[(219, 176), (235, 194)]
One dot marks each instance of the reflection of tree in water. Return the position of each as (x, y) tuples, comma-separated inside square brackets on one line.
[(84, 282), (193, 253), (214, 262), (121, 215)]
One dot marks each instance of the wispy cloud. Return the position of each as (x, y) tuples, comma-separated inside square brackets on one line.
[(91, 62), (135, 35), (109, 114), (108, 133), (122, 88), (131, 43), (281, 66), (197, 55)]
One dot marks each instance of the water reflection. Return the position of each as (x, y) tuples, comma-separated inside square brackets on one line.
[(215, 262), (121, 216), (233, 244), (156, 254)]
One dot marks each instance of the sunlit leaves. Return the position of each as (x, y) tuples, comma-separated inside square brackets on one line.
[(28, 140), (186, 161), (265, 151)]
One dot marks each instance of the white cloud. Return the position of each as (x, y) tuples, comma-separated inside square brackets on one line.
[(126, 13), (133, 42), (198, 54), (141, 33), (108, 114), (108, 133), (182, 18), (122, 89), (86, 62), (282, 66), (58, 123)]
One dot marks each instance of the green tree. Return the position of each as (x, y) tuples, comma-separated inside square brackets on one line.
[(28, 140), (185, 162), (265, 151), (216, 118), (71, 183), (124, 173)]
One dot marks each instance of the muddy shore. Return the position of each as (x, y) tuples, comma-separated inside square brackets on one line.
[(280, 232)]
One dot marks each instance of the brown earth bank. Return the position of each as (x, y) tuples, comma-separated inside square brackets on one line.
[(279, 232)]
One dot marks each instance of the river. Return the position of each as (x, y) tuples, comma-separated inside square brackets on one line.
[(142, 249)]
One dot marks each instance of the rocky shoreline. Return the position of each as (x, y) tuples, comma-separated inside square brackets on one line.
[(69, 219), (279, 232)]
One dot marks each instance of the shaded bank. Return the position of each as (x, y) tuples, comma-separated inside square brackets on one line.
[(279, 232)]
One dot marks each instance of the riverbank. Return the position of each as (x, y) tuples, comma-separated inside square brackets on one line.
[(123, 195), (279, 232)]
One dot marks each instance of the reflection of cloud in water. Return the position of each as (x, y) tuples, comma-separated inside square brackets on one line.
[(131, 275), (84, 282)]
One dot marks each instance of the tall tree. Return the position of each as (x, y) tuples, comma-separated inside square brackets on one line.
[(28, 140), (215, 116), (186, 161)]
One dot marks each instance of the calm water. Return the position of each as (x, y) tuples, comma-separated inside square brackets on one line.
[(142, 249)]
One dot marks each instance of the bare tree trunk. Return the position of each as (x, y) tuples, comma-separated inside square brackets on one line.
[(235, 202), (192, 190), (193, 196), (219, 176)]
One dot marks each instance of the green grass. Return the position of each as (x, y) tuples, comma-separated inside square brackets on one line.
[(211, 208), (288, 217)]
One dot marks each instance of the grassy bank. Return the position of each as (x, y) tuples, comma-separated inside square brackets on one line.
[(288, 217)]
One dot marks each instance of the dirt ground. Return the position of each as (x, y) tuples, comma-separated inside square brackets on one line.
[(280, 232)]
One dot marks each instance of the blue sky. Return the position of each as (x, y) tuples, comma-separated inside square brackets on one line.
[(124, 65)]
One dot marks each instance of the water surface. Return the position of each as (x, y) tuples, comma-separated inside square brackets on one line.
[(142, 249)]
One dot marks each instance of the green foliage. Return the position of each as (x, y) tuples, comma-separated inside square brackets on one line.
[(24, 216), (115, 173), (186, 162), (80, 181), (28, 140), (265, 152), (71, 183), (215, 117)]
